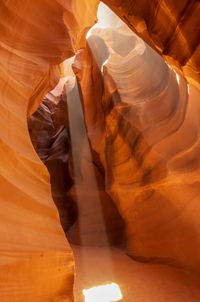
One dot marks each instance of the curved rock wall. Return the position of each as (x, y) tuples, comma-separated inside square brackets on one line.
[(36, 261), (172, 28), (145, 129), (51, 141), (145, 137)]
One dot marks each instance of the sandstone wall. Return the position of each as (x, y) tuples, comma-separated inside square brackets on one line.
[(172, 28), (36, 261), (145, 129)]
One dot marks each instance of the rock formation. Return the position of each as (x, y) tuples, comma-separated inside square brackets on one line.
[(142, 127), (170, 27), (121, 143), (99, 222), (50, 139), (36, 259)]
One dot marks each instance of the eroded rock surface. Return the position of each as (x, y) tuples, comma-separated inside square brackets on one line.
[(172, 28), (36, 261), (77, 176), (147, 140), (142, 159), (51, 141)]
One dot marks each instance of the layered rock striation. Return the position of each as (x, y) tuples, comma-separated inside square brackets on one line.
[(129, 161), (171, 28), (36, 261), (77, 177), (144, 131)]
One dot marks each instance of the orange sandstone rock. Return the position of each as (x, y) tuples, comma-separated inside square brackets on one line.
[(36, 262), (172, 28), (147, 139)]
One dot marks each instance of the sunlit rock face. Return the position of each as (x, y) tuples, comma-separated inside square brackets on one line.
[(132, 159), (36, 262), (171, 27), (144, 127)]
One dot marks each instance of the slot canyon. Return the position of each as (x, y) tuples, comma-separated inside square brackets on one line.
[(99, 151)]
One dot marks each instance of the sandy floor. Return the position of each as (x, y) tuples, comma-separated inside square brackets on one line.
[(138, 282)]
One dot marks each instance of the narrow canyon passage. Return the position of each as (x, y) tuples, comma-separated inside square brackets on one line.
[(111, 149), (99, 151)]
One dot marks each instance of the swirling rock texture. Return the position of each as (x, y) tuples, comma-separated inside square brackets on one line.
[(140, 166), (50, 139), (145, 130), (172, 28), (36, 261)]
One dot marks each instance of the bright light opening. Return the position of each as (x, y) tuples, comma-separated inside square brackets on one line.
[(106, 19), (103, 293)]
